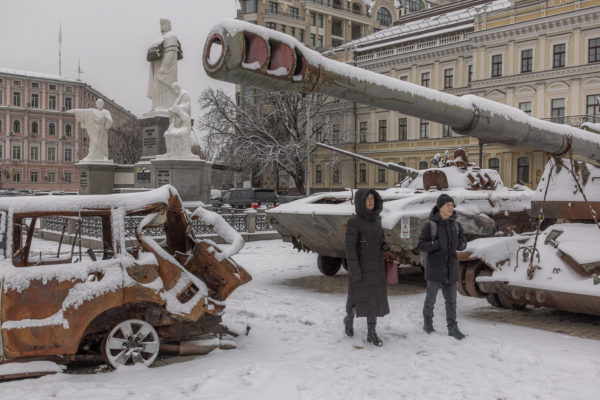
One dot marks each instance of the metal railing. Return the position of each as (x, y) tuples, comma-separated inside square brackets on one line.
[(426, 44), (574, 120), (328, 3)]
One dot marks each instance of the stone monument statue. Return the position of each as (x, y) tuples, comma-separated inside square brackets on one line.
[(178, 135), (97, 121), (163, 56)]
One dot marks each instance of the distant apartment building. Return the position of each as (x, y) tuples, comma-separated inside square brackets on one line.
[(40, 142), (542, 56)]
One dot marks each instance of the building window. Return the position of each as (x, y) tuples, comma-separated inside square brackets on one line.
[(494, 163), (34, 153), (320, 20), (319, 174), (33, 177), (1, 96), (557, 111), (35, 85), (380, 174), (68, 89), (382, 130), (1, 152), (16, 126), (336, 174), (34, 127), (470, 73), (17, 99), (68, 177), (68, 130), (35, 100), (17, 83), (425, 79), (312, 40), (283, 28), (68, 155), (51, 129), (523, 169), (423, 165), (301, 35), (292, 31), (0, 124), (404, 78), (51, 153), (559, 55), (320, 42), (448, 78), (446, 131), (402, 128), (271, 25), (423, 129), (51, 87), (335, 134), (362, 173), (16, 153), (294, 12), (17, 176), (592, 106), (272, 7), (497, 65), (319, 135), (52, 102), (384, 17), (525, 106), (51, 176), (594, 50), (527, 60), (362, 132), (313, 19), (249, 6)]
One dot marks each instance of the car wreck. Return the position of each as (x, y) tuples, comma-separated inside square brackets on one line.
[(121, 303)]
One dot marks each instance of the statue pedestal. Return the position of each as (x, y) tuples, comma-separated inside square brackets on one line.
[(153, 127), (96, 178), (191, 177)]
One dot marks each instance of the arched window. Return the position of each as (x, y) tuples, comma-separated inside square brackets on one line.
[(51, 128), (34, 127), (16, 126), (494, 163), (523, 169), (356, 8), (423, 165), (384, 17), (337, 4), (68, 130)]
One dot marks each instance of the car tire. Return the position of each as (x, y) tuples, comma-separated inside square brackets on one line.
[(329, 265), (131, 342)]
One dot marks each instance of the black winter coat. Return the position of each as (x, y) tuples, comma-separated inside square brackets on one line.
[(442, 261), (365, 251)]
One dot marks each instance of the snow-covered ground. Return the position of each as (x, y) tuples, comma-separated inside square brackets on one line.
[(296, 349)]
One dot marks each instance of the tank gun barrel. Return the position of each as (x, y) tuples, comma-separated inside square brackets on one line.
[(254, 56), (401, 169)]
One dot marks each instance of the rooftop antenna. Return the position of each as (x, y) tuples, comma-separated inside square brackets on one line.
[(79, 70), (60, 47)]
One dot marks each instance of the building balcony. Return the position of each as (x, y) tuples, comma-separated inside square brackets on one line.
[(574, 120), (293, 17), (340, 10)]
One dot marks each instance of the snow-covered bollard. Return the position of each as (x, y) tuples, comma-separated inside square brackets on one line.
[(250, 219)]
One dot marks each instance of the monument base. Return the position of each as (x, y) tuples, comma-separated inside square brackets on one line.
[(153, 128), (96, 178), (191, 178)]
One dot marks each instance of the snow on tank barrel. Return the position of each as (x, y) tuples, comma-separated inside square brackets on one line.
[(246, 54)]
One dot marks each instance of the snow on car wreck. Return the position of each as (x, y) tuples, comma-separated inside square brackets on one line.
[(123, 302)]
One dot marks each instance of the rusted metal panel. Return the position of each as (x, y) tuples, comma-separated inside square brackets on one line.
[(571, 210)]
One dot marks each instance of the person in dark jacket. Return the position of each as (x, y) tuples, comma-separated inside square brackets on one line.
[(442, 262), (365, 250)]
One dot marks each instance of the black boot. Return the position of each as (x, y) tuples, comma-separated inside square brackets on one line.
[(348, 325), (455, 332), (428, 326), (372, 336)]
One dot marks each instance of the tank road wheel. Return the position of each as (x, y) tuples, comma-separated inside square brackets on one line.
[(131, 342), (460, 285), (475, 268), (329, 265), (493, 299), (506, 303)]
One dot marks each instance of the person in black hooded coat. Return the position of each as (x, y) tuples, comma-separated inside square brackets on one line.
[(365, 251), (441, 270)]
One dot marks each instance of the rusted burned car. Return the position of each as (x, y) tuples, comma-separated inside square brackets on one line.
[(125, 300)]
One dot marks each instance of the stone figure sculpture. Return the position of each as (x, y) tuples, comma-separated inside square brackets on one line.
[(178, 136), (97, 121), (163, 56)]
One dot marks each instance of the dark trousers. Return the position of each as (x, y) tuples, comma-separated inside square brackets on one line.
[(449, 292)]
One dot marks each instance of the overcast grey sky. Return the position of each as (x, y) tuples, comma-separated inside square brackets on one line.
[(110, 37)]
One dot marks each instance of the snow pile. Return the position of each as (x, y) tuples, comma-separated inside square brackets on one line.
[(563, 187), (29, 367)]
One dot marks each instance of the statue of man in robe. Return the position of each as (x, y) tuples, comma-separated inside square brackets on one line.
[(163, 56), (96, 121)]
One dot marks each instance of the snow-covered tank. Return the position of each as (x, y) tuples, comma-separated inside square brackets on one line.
[(250, 55)]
